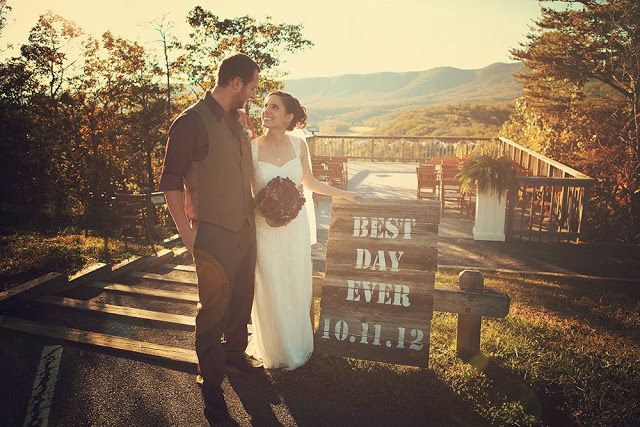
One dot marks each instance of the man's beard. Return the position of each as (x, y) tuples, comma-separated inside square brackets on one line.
[(238, 102)]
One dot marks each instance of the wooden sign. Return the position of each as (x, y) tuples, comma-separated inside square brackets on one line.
[(377, 297)]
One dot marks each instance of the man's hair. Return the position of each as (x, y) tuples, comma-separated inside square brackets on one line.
[(238, 65)]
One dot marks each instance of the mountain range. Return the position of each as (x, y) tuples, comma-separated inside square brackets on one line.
[(367, 99)]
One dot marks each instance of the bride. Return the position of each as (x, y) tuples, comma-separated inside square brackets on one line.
[(282, 330)]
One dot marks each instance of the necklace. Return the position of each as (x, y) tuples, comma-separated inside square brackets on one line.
[(276, 151)]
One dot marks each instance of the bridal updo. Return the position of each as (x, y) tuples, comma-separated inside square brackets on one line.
[(292, 106)]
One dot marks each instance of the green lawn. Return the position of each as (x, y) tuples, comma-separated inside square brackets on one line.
[(568, 353), (25, 256)]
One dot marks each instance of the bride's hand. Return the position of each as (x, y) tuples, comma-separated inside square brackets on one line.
[(353, 197)]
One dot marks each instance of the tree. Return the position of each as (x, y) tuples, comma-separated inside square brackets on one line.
[(49, 59), (124, 115), (53, 49), (582, 91), (169, 43), (4, 10), (83, 117), (214, 38)]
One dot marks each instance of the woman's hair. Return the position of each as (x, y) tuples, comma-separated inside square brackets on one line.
[(292, 106)]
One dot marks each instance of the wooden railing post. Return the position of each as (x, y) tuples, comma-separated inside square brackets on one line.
[(513, 199), (468, 337)]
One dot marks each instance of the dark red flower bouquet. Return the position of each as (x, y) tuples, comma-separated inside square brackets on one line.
[(279, 201)]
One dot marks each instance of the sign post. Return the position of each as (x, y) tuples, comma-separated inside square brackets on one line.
[(377, 298)]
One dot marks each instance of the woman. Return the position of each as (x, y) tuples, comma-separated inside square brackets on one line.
[(282, 330)]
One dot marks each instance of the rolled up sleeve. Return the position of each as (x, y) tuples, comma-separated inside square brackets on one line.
[(179, 152)]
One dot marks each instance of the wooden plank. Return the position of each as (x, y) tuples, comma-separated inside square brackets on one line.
[(392, 243), (154, 293), (360, 313), (422, 283), (100, 340), (135, 262), (97, 271), (50, 283), (387, 226), (345, 272), (178, 267), (381, 256), (141, 263), (182, 279), (178, 252), (160, 257), (419, 309), (171, 240), (523, 208), (446, 138), (423, 211), (565, 235), (487, 303), (532, 273), (424, 239), (542, 196), (428, 207), (389, 347), (546, 159), (469, 325), (156, 316)]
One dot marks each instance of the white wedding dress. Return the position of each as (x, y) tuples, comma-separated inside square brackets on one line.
[(282, 331)]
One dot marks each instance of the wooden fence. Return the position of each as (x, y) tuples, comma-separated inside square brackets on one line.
[(552, 201), (391, 148)]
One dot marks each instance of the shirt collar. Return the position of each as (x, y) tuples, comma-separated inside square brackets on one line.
[(214, 106)]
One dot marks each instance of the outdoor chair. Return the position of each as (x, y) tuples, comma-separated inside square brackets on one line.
[(343, 160), (451, 161), (427, 182), (319, 168), (449, 185), (130, 209), (468, 204), (337, 174)]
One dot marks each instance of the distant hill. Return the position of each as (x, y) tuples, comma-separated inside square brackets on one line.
[(448, 120), (371, 99)]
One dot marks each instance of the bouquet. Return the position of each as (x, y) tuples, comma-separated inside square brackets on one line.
[(279, 201)]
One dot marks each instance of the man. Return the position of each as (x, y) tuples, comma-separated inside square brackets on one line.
[(209, 155)]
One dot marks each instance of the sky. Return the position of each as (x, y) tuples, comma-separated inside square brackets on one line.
[(350, 36)]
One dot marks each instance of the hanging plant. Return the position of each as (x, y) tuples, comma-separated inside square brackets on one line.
[(493, 175)]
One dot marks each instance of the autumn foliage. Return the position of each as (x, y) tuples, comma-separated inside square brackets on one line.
[(581, 104), (83, 118)]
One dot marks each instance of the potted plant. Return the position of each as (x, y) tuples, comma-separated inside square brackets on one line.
[(493, 176)]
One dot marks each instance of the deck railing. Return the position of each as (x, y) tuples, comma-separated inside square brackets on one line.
[(391, 148), (552, 200)]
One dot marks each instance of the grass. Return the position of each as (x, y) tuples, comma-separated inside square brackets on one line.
[(568, 353), (25, 256)]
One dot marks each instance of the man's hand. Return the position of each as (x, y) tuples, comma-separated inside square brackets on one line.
[(188, 238), (175, 202)]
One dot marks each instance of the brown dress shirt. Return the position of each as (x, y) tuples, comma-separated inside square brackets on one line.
[(188, 142)]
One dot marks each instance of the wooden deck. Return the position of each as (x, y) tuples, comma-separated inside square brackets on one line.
[(391, 180), (457, 247)]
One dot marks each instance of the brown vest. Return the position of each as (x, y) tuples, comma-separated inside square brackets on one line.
[(218, 188)]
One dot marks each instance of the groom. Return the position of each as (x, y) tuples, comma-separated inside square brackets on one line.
[(209, 156)]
